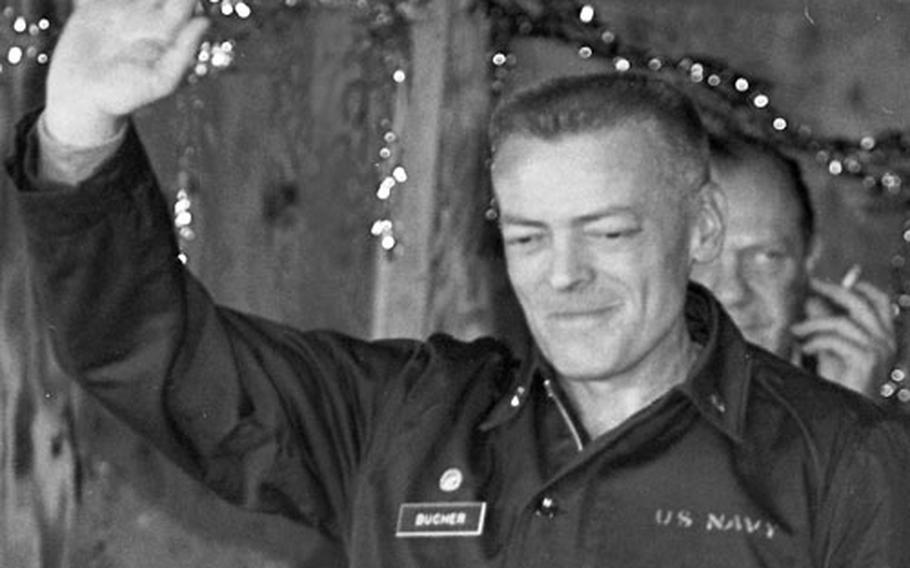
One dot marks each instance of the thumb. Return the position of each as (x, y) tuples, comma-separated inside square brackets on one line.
[(182, 52)]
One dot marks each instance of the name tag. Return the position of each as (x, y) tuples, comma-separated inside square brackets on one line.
[(441, 519)]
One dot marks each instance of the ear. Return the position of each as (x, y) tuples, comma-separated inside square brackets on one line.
[(710, 211)]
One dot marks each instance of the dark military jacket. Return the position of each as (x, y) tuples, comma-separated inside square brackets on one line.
[(441, 453)]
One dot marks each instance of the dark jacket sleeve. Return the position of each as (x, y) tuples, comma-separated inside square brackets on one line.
[(269, 417), (865, 506)]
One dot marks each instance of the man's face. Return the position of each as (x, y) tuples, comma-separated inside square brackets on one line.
[(761, 276), (597, 245)]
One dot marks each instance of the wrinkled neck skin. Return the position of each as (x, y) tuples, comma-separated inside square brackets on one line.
[(603, 403)]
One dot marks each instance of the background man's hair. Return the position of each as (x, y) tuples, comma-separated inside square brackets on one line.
[(732, 148), (589, 103)]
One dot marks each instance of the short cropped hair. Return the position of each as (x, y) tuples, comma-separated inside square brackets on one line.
[(730, 149), (588, 103)]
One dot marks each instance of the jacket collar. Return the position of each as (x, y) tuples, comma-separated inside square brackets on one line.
[(717, 386)]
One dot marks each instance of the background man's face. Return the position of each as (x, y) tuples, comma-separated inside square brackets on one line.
[(597, 246), (761, 276)]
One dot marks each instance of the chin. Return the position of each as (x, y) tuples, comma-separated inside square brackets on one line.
[(581, 363)]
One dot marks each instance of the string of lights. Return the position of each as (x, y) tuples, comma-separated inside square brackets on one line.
[(878, 160), (388, 51), (24, 39)]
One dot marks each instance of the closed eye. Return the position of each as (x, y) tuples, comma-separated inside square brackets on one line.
[(522, 240), (615, 234)]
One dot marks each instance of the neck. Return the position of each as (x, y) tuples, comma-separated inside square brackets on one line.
[(604, 403)]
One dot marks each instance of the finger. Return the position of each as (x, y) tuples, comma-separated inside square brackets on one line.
[(180, 55), (176, 11), (880, 300), (835, 325), (851, 355), (860, 353), (855, 304), (837, 365), (82, 3), (882, 348)]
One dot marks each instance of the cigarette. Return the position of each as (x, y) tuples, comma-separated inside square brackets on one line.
[(852, 276)]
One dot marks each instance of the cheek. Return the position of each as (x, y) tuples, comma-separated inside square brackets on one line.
[(524, 273), (781, 294)]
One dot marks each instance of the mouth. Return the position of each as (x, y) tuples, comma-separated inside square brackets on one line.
[(581, 318)]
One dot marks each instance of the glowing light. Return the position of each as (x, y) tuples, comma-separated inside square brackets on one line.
[(223, 55), (14, 55), (381, 226), (183, 218), (586, 14), (585, 52), (741, 85), (20, 25), (892, 182), (400, 174), (385, 188), (243, 10), (499, 59), (780, 123), (761, 101), (399, 76), (622, 64)]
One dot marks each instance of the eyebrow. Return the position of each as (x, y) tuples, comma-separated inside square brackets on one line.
[(506, 218)]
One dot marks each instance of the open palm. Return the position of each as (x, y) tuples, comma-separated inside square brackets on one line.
[(115, 56)]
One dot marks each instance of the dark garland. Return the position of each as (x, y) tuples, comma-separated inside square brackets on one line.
[(879, 160)]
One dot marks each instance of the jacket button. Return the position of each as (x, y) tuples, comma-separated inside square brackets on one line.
[(718, 403), (546, 508)]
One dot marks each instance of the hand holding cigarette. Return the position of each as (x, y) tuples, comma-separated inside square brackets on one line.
[(849, 329)]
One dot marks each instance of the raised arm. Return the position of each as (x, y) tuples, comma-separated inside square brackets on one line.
[(269, 417)]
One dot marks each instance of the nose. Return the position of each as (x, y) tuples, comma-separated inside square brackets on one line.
[(729, 284), (569, 267)]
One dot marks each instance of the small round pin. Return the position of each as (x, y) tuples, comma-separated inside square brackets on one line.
[(451, 479)]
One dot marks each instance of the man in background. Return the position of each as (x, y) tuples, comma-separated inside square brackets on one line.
[(842, 331)]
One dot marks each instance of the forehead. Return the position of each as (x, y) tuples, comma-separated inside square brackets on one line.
[(760, 200), (621, 165)]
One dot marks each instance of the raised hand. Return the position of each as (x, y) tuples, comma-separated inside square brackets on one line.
[(851, 333), (113, 57)]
